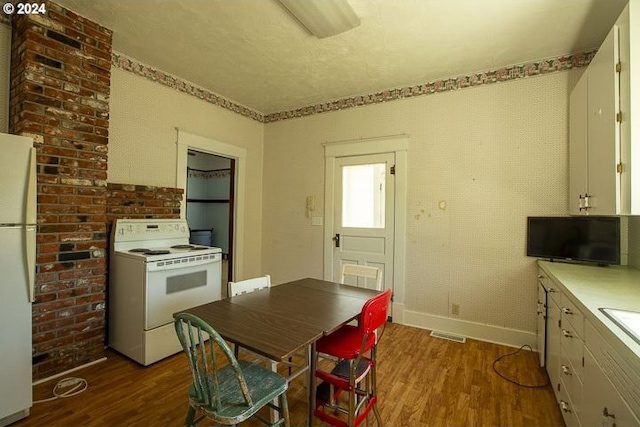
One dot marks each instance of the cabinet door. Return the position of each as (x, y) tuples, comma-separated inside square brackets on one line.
[(578, 113), (541, 326), (603, 154), (553, 342), (602, 405)]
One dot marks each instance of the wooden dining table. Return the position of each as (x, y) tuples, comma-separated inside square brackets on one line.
[(279, 321)]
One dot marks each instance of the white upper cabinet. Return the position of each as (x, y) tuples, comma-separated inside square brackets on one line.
[(603, 126), (594, 149), (629, 24), (601, 145), (578, 131)]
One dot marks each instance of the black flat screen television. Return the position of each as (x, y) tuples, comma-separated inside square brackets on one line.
[(589, 239)]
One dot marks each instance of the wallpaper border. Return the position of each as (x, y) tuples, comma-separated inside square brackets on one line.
[(503, 74), (134, 66)]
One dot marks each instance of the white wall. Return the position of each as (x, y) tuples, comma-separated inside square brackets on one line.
[(142, 144), (495, 154)]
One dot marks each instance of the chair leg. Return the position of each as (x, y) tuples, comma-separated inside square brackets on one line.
[(275, 414), (191, 414), (378, 417), (352, 395), (374, 384), (373, 371), (367, 390), (284, 408)]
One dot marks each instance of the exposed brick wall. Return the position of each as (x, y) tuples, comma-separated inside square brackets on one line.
[(139, 201), (60, 77)]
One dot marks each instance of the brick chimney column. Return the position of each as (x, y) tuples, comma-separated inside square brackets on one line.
[(60, 78)]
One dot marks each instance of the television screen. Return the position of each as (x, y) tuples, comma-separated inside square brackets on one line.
[(586, 239)]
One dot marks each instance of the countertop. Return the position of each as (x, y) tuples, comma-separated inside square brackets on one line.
[(593, 287)]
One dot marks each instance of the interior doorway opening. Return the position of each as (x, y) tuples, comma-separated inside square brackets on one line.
[(210, 211)]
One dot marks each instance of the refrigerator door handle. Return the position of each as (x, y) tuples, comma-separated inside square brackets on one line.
[(31, 202), (30, 248)]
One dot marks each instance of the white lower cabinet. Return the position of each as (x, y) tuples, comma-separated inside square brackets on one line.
[(594, 386), (610, 387)]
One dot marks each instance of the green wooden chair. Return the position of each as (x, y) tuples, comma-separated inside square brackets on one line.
[(224, 389)]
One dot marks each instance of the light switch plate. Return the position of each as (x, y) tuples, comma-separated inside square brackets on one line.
[(316, 220)]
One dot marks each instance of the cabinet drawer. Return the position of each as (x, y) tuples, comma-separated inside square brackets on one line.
[(572, 315), (567, 409), (554, 292), (572, 383), (543, 279), (572, 348)]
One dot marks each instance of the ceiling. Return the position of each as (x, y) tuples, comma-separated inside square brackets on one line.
[(254, 53)]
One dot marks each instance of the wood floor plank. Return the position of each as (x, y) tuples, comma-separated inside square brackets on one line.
[(422, 381)]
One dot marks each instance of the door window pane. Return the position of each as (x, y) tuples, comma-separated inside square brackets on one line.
[(363, 195)]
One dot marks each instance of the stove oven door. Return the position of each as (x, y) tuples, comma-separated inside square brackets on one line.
[(178, 284)]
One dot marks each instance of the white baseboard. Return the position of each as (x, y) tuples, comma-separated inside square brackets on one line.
[(62, 374), (473, 330), (397, 313)]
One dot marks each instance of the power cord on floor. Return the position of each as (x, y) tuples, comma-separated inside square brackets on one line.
[(513, 381), (67, 387)]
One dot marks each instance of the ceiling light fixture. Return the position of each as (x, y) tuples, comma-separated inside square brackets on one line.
[(323, 18)]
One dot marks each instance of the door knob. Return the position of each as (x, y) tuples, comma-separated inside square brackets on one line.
[(336, 239)]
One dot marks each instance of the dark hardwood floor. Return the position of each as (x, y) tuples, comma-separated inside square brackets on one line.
[(422, 381)]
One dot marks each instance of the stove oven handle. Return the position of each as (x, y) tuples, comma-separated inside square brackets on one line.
[(177, 263)]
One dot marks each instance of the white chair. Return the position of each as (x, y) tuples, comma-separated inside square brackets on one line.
[(245, 287), (356, 272), (361, 271), (252, 285), (249, 285)]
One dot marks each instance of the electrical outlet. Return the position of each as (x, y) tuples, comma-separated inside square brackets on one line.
[(455, 309)]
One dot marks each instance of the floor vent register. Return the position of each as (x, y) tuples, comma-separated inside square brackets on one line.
[(448, 336)]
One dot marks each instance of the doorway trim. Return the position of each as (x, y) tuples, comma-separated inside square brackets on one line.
[(186, 141), (397, 144)]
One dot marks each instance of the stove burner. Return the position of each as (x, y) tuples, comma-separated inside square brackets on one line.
[(157, 252), (199, 248), (142, 250), (182, 247)]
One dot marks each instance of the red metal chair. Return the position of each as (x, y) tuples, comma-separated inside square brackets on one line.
[(355, 374)]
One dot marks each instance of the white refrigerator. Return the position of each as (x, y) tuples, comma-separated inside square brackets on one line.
[(17, 274)]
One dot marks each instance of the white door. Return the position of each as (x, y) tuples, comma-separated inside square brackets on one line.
[(363, 223)]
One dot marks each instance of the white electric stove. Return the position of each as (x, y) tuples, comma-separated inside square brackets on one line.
[(154, 273)]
